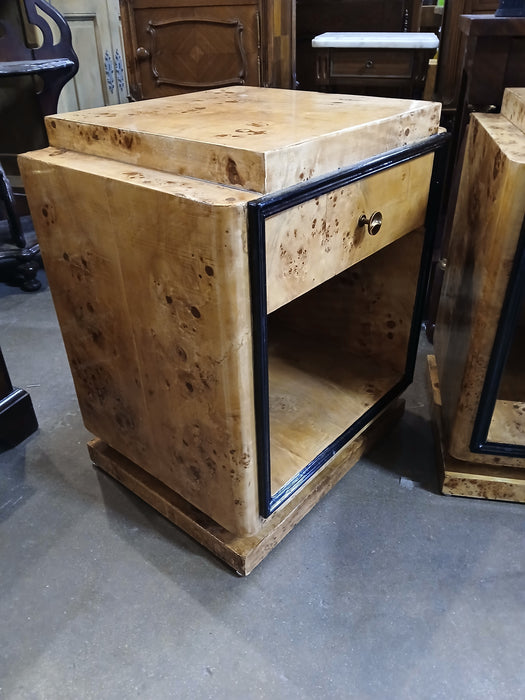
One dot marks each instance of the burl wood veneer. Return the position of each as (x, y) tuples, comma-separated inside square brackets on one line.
[(482, 272), (142, 215)]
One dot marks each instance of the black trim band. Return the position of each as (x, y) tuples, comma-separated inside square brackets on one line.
[(514, 298)]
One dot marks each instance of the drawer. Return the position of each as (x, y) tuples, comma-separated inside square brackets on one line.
[(314, 241), (370, 63)]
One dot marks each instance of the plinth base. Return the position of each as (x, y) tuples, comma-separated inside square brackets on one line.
[(242, 553), (471, 479)]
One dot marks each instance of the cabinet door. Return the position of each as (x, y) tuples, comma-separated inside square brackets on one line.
[(101, 78), (190, 45)]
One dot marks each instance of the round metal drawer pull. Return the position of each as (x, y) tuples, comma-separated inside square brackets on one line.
[(369, 63), (373, 223), (142, 53)]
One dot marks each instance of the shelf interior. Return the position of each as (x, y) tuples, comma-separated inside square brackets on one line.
[(334, 351), (508, 419)]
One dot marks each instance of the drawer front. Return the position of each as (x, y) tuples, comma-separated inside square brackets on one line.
[(314, 241), (370, 63)]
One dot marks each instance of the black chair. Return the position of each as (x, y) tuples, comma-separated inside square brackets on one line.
[(17, 415), (35, 64)]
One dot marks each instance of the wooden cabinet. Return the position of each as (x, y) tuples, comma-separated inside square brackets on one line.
[(180, 46), (480, 328), (239, 317)]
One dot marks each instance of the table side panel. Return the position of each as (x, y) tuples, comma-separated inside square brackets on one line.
[(487, 223), (149, 275)]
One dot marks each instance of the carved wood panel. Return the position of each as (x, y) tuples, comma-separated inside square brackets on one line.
[(204, 51), (175, 46), (172, 50)]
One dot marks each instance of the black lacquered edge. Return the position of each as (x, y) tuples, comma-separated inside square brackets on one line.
[(267, 205), (257, 259), (514, 298)]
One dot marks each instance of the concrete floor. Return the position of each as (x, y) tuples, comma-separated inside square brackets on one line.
[(387, 589)]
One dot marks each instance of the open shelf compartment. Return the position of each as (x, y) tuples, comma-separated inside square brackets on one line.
[(336, 351)]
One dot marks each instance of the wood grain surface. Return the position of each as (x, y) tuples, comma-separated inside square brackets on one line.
[(487, 225), (247, 137), (149, 275), (336, 350)]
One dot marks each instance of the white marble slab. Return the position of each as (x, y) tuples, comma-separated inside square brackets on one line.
[(376, 40)]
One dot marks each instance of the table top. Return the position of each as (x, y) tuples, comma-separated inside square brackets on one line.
[(376, 40), (260, 139)]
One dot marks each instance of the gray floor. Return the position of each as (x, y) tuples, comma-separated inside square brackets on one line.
[(386, 590)]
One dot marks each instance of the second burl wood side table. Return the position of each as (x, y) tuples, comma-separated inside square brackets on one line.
[(479, 380), (238, 276)]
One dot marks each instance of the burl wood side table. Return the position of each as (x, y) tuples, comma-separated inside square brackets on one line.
[(238, 275), (478, 372)]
